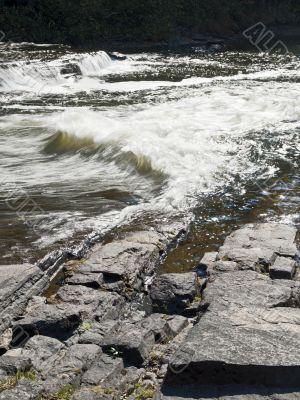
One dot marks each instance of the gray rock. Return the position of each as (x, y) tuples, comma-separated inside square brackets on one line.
[(155, 325), (17, 286), (68, 366), (42, 351), (75, 359), (14, 277), (97, 331), (126, 260), (14, 360), (92, 303), (103, 371), (25, 390), (256, 245), (90, 280), (89, 394), (54, 320), (173, 293), (208, 260), (224, 266), (176, 324), (20, 283), (243, 345), (130, 342), (163, 327), (71, 69), (250, 289), (283, 268)]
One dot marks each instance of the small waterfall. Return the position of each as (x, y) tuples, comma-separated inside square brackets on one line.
[(32, 76), (38, 75), (92, 64)]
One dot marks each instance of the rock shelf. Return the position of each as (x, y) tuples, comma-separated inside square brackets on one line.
[(115, 330)]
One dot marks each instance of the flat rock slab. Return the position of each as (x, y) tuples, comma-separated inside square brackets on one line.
[(244, 345), (126, 259), (250, 289), (13, 277), (258, 244), (92, 303), (245, 336), (250, 332), (16, 282)]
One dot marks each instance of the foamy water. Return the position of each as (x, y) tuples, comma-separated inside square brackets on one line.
[(98, 143)]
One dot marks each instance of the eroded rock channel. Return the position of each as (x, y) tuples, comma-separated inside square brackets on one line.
[(116, 330)]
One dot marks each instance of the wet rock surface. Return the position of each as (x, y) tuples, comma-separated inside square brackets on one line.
[(229, 330)]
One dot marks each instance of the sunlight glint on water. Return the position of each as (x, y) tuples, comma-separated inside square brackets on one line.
[(96, 142)]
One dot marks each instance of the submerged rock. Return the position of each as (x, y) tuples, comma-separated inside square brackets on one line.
[(117, 56)]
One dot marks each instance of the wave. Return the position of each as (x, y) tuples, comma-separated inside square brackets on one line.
[(199, 143), (110, 151)]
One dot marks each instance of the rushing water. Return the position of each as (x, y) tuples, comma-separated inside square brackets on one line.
[(88, 144)]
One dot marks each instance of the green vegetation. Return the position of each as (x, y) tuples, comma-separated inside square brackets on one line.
[(83, 22), (145, 394), (12, 381), (85, 326), (65, 393)]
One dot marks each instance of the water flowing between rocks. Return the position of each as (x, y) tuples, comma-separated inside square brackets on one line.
[(89, 144)]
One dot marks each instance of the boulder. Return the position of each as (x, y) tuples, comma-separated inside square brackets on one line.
[(25, 390), (103, 371), (15, 360), (130, 343), (95, 331), (68, 367), (42, 351), (163, 327), (173, 293), (208, 260), (117, 56), (91, 394), (71, 69), (283, 268)]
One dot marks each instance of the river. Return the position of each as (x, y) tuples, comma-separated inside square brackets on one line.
[(90, 144)]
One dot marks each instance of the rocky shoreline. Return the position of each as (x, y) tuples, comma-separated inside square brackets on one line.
[(117, 330)]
